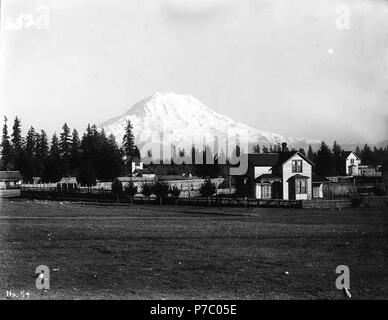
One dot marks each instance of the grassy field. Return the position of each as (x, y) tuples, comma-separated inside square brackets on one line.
[(151, 252)]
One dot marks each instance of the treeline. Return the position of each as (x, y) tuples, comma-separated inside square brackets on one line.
[(93, 156), (331, 161)]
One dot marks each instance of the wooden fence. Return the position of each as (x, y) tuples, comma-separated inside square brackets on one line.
[(371, 201), (327, 204), (108, 197)]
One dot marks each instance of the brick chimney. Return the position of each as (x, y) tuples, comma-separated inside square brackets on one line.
[(284, 147)]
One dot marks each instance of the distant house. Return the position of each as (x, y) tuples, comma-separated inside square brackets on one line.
[(368, 170), (68, 184), (36, 180), (136, 164), (10, 179), (283, 175), (351, 163), (145, 173)]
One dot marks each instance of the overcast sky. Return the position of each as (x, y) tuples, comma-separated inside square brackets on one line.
[(280, 66)]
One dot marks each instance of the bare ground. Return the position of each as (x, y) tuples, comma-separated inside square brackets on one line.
[(153, 252)]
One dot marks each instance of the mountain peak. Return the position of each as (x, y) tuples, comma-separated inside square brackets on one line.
[(187, 119)]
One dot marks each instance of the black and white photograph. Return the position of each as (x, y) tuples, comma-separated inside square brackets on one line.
[(194, 150)]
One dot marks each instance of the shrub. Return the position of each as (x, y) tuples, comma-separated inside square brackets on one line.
[(146, 189), (207, 189), (131, 189), (174, 191), (117, 188), (161, 188)]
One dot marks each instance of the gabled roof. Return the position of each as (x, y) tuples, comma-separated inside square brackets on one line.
[(346, 154), (11, 175), (273, 159), (285, 156), (263, 159)]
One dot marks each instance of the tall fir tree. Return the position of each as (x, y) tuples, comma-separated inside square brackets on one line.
[(17, 143), (324, 160), (75, 156), (65, 148), (358, 151), (367, 155), (310, 154), (54, 168), (256, 148), (6, 150), (29, 159), (41, 152), (18, 152), (337, 159), (128, 145)]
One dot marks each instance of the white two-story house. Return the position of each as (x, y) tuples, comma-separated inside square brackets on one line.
[(282, 175), (351, 162)]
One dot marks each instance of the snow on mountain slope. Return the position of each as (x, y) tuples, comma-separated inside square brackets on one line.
[(185, 120)]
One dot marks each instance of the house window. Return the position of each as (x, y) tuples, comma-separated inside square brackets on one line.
[(351, 161), (301, 187), (296, 166)]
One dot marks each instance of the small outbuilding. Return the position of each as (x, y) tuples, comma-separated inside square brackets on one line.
[(10, 179), (68, 184)]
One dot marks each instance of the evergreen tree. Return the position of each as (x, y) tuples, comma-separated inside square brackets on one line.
[(310, 154), (54, 168), (65, 148), (337, 159), (324, 160), (238, 150), (28, 163), (128, 147), (17, 143), (256, 148), (86, 174), (358, 151), (41, 152), (102, 155), (75, 154), (301, 151), (30, 141), (367, 155), (6, 150)]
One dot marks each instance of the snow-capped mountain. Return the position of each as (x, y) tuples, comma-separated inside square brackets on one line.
[(185, 121)]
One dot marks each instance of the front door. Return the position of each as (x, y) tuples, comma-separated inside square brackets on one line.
[(291, 189), (266, 191)]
